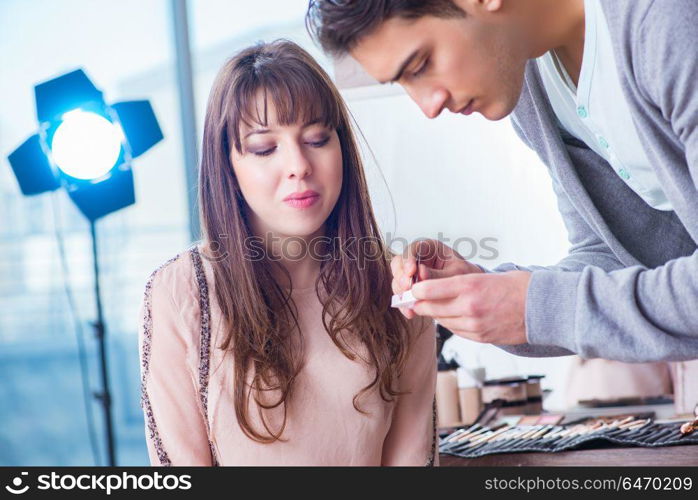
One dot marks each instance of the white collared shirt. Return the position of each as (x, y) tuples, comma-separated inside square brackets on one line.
[(596, 111)]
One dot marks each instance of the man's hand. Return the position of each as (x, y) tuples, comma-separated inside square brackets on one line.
[(488, 308), (436, 260)]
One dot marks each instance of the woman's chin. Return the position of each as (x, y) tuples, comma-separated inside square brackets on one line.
[(300, 230)]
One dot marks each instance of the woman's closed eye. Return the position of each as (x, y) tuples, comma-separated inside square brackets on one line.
[(320, 142), (269, 149), (262, 151)]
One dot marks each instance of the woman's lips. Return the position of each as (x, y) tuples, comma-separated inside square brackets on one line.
[(302, 200)]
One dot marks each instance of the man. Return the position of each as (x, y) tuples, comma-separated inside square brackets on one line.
[(605, 91)]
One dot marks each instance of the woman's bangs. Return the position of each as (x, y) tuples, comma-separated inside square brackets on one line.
[(297, 97)]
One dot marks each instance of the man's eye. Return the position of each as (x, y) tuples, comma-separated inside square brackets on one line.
[(421, 69)]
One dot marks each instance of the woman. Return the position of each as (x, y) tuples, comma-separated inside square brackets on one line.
[(273, 341)]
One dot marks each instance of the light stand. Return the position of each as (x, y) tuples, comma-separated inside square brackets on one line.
[(86, 146), (104, 397)]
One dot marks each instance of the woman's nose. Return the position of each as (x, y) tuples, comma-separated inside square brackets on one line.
[(298, 163)]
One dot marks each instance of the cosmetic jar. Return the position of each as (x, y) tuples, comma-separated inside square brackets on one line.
[(534, 395), (511, 390)]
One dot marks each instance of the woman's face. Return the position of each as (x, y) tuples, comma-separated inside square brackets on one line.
[(290, 176)]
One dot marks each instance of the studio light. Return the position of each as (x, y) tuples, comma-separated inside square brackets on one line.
[(86, 146)]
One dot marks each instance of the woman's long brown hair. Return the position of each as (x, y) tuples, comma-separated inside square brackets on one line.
[(354, 286)]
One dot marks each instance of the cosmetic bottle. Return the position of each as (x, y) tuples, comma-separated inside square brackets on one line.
[(447, 411), (469, 393)]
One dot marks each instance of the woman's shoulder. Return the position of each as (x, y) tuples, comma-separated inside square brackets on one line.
[(178, 277), (421, 326)]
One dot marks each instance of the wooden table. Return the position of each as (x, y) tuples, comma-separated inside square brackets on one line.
[(613, 456)]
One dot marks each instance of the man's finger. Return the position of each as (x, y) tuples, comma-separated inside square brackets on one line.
[(429, 273), (397, 268), (408, 313), (462, 327), (396, 264), (442, 309), (408, 269), (426, 251), (441, 289)]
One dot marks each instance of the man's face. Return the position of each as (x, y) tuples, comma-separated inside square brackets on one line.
[(463, 64)]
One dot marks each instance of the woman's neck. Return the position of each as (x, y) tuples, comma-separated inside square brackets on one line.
[(302, 273), (298, 257)]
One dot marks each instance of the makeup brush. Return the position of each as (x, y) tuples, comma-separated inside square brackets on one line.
[(488, 436), (689, 427), (512, 440), (476, 432), (460, 432), (466, 439), (628, 428), (575, 435), (672, 435), (531, 437), (505, 440), (482, 439), (641, 431), (470, 435), (551, 439), (654, 439)]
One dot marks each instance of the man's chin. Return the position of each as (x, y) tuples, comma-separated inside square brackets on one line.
[(497, 111)]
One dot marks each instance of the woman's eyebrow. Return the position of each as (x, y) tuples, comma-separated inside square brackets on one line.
[(257, 131)]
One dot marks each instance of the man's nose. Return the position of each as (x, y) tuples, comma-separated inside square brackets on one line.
[(433, 102)]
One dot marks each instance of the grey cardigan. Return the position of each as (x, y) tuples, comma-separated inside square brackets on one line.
[(628, 290)]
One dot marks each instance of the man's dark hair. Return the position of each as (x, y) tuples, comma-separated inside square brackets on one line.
[(338, 25)]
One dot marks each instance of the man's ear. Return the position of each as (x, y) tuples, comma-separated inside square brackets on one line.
[(491, 5), (476, 6)]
